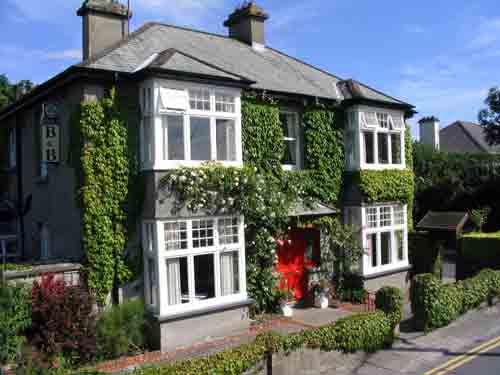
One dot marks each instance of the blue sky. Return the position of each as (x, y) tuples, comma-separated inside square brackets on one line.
[(440, 55)]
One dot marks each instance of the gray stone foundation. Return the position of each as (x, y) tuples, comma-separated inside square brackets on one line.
[(170, 333)]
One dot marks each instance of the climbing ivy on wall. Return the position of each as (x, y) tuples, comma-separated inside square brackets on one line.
[(262, 135), (387, 185), (106, 169), (324, 152)]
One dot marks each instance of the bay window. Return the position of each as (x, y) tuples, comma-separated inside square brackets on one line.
[(186, 124), (384, 234), (201, 262), (382, 139)]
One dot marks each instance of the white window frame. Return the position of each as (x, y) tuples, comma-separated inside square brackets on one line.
[(12, 148), (155, 110), (395, 262), (161, 255), (297, 139), (376, 128)]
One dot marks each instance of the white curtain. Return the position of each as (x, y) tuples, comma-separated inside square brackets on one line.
[(229, 276), (174, 281)]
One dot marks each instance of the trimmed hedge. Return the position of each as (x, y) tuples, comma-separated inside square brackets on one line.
[(436, 305), (478, 251), (368, 332), (390, 300)]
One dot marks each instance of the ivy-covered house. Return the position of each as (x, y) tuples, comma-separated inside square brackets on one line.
[(108, 160)]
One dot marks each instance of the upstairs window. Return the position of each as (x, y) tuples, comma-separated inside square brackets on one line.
[(382, 140), (190, 126), (290, 125)]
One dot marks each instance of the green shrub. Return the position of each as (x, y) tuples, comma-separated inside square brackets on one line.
[(368, 332), (120, 330), (15, 317), (390, 300), (478, 251), (435, 304)]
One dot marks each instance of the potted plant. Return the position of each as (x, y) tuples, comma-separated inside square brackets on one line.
[(321, 292), (286, 302)]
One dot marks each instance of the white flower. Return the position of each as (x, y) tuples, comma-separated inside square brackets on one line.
[(182, 178)]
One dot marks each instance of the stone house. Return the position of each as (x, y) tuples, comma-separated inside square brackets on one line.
[(189, 86)]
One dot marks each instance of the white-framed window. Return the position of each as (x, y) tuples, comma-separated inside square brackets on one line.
[(382, 140), (12, 148), (384, 235), (201, 262), (189, 124), (291, 132)]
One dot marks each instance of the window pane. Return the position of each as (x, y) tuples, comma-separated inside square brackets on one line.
[(399, 237), (200, 138), (229, 273), (199, 100), (383, 148), (371, 119), (204, 277), (383, 120), (226, 140), (396, 148), (371, 217), (228, 231), (290, 156), (289, 125), (149, 229), (385, 216), (369, 147), (173, 137), (371, 240), (147, 152), (175, 235), (399, 215), (203, 233), (385, 243), (224, 103), (177, 281), (152, 282)]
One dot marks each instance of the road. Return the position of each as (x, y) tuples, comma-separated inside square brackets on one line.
[(483, 359)]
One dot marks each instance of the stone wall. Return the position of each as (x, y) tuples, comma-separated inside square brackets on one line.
[(309, 362)]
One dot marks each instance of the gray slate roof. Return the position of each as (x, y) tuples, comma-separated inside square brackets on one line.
[(268, 68), (465, 137), (446, 220)]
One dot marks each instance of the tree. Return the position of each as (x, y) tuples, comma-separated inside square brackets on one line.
[(8, 90), (489, 117)]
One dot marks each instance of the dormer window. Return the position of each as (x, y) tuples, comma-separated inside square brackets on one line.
[(184, 125)]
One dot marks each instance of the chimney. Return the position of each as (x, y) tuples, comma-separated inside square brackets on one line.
[(429, 132), (105, 22), (246, 24)]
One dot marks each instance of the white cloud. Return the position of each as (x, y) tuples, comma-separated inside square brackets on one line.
[(15, 53), (488, 33)]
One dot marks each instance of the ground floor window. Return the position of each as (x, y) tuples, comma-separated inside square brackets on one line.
[(384, 234), (201, 262)]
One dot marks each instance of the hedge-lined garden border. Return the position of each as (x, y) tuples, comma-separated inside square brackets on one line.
[(435, 304), (362, 332)]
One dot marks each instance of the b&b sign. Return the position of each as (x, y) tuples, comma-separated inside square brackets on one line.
[(50, 143)]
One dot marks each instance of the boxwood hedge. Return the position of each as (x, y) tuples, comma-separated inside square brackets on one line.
[(436, 305)]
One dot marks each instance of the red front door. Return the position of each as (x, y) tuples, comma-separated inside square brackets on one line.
[(296, 253)]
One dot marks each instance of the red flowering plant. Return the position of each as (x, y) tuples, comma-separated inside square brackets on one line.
[(63, 319)]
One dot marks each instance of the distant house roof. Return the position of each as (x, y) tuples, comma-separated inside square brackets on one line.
[(465, 137), (443, 221)]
